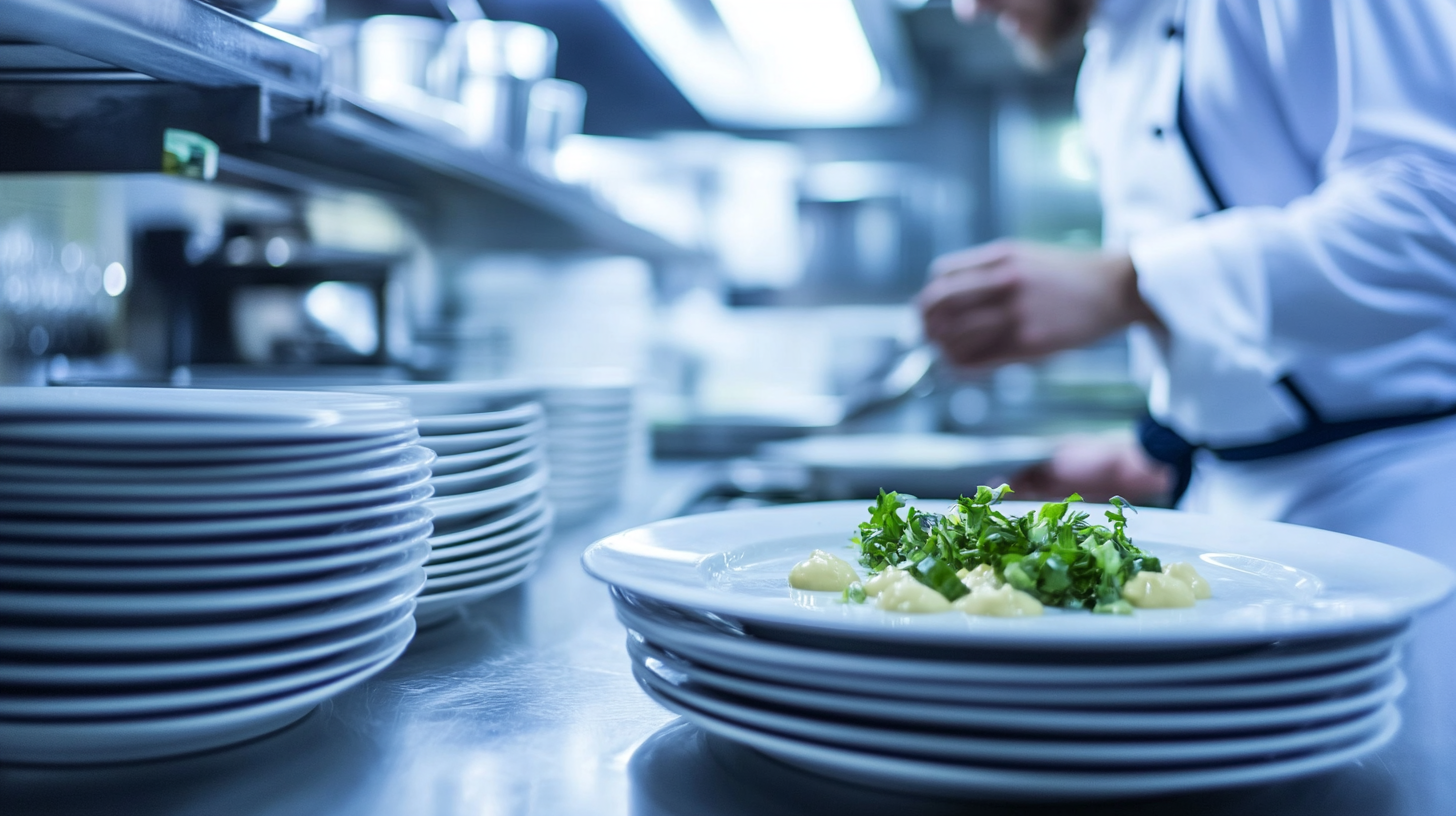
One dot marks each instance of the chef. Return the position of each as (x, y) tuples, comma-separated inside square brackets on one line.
[(1278, 180)]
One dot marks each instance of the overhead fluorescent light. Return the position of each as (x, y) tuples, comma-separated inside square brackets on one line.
[(778, 63)]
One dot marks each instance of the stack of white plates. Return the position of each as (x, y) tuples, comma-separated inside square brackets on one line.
[(187, 569), (491, 515), (1291, 668), (589, 442)]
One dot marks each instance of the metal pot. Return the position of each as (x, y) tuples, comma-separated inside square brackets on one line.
[(490, 68)]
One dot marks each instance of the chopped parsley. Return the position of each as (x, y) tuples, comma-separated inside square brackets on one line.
[(1054, 554)]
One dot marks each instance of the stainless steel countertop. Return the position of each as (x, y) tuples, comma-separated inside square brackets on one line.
[(526, 705)]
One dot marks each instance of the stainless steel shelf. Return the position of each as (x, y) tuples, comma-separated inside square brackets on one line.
[(175, 40), (303, 127), (354, 134)]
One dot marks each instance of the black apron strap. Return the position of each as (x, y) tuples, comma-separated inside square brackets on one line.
[(1163, 444)]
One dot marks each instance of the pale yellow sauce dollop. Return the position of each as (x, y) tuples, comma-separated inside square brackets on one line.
[(822, 571), (1001, 602), (877, 584), (905, 594), (982, 576), (1185, 572), (1156, 590)]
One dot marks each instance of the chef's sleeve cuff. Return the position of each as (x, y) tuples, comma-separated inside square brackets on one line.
[(1204, 281)]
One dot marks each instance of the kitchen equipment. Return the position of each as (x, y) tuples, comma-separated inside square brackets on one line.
[(1292, 667), (394, 53), (490, 67), (186, 569), (555, 111), (720, 435), (842, 466)]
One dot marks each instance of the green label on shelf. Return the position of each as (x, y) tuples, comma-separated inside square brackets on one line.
[(188, 154)]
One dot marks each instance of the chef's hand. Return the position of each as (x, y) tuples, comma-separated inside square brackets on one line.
[(1098, 467), (1010, 300)]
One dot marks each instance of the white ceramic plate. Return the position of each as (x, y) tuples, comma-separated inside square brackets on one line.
[(568, 418), (592, 498), (449, 508), (486, 421), (201, 455), (148, 575), (591, 464), (318, 410), (398, 528), (151, 434), (496, 475), (405, 466), (322, 467), (726, 647), (435, 399), (438, 607), (902, 709), (577, 472), (526, 525), (197, 669), (603, 438), (519, 542), (70, 705), (576, 512), (1270, 581), (54, 605), (296, 524), (1013, 748), (141, 738), (81, 506), (505, 555), (460, 462), (859, 765), (584, 468), (154, 640), (607, 482), (587, 398), (590, 450), (488, 525), (454, 444), (446, 583)]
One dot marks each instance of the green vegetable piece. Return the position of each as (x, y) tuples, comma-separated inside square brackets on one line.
[(940, 578), (1117, 607), (854, 593), (1016, 575)]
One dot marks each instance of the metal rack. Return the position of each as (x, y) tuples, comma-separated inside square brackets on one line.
[(89, 85)]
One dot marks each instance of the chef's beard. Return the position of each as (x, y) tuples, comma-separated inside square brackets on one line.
[(1042, 50)]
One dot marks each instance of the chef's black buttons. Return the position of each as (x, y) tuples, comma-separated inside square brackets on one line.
[(1173, 32), (1157, 132)]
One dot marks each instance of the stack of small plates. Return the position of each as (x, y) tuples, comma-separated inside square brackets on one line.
[(589, 442), (491, 515), (187, 569), (1291, 668)]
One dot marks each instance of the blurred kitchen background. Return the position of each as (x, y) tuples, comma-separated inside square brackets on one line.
[(733, 201)]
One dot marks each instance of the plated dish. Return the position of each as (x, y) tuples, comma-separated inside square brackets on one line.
[(1268, 581), (1290, 666)]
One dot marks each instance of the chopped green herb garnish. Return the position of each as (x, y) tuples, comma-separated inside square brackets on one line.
[(854, 593), (1054, 554), (940, 578)]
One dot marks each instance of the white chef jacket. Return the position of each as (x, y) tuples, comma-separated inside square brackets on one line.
[(1328, 129)]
